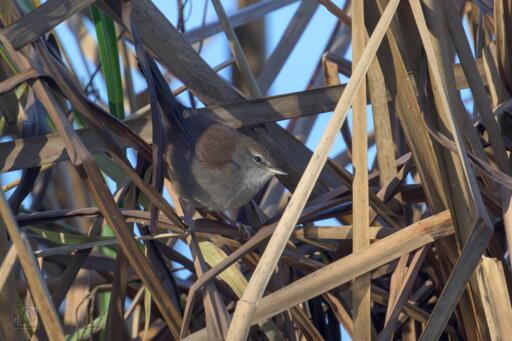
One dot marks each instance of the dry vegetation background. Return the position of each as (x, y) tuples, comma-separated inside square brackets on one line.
[(419, 247)]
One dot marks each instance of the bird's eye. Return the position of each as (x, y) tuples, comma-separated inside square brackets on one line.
[(257, 158)]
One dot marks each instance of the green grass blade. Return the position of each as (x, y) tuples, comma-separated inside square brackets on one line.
[(110, 67), (86, 332), (109, 58)]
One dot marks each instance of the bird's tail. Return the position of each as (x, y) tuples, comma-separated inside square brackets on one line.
[(172, 108)]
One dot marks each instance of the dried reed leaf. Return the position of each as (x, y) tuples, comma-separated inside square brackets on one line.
[(44, 18)]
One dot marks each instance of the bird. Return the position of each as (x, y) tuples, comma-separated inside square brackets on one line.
[(221, 169), (212, 165)]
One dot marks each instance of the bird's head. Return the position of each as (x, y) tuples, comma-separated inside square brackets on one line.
[(255, 161)]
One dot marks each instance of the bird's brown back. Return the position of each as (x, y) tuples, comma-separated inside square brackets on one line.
[(216, 144)]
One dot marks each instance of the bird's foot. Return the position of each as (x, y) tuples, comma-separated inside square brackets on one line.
[(188, 212), (191, 228), (246, 230)]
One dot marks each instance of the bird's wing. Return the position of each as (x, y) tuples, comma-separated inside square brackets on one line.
[(172, 108), (216, 145)]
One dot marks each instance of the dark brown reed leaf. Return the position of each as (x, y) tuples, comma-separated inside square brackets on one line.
[(44, 217), (74, 265), (131, 216), (245, 15), (503, 27), (289, 39), (24, 188), (33, 125), (9, 108), (159, 124), (16, 80), (41, 20), (100, 119), (101, 264), (104, 123), (489, 169), (115, 326)]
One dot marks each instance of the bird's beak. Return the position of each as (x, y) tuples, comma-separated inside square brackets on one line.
[(277, 171)]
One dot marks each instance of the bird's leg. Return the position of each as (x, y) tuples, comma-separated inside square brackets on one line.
[(188, 212)]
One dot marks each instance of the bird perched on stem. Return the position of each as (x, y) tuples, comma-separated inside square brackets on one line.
[(213, 166), (220, 168)]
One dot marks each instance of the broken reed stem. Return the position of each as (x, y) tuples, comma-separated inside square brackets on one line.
[(497, 307), (7, 265), (244, 312), (361, 303)]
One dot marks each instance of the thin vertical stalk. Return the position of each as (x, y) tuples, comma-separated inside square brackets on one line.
[(361, 303), (236, 50)]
